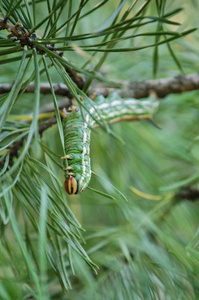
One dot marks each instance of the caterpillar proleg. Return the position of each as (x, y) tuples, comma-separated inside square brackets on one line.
[(77, 133)]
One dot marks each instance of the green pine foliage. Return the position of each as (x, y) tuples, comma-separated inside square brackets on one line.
[(97, 245)]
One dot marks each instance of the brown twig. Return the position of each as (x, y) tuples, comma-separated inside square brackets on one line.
[(137, 89), (161, 87)]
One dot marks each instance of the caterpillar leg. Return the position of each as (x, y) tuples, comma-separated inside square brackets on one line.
[(67, 169), (66, 157), (70, 174)]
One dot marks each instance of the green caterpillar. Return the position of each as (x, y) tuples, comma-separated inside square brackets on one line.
[(77, 133)]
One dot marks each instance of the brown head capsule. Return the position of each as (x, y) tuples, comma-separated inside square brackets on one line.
[(71, 185)]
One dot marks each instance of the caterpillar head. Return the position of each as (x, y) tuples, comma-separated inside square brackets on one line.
[(72, 186)]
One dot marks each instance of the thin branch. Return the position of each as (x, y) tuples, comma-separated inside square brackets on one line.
[(59, 88), (161, 87), (135, 89)]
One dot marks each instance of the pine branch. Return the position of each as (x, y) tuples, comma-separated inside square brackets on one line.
[(135, 89), (59, 89), (162, 87), (27, 38)]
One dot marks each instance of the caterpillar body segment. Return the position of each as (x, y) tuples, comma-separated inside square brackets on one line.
[(114, 109), (77, 145), (77, 132)]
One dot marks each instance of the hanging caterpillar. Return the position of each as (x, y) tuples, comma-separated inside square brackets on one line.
[(77, 133)]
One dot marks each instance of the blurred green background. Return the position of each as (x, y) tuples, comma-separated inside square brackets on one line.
[(145, 248)]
